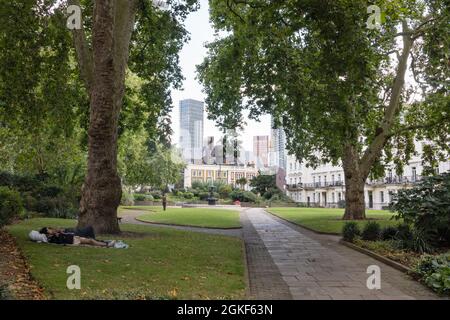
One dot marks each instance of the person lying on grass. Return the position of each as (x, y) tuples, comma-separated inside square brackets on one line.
[(58, 237), (87, 232)]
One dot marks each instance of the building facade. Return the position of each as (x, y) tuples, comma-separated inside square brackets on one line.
[(325, 185), (228, 174), (261, 150), (191, 130)]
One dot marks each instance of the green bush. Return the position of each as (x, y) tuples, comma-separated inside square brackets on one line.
[(435, 272), (404, 232), (389, 233), (58, 207), (426, 208), (371, 231), (243, 196), (350, 231), (10, 205), (418, 242), (157, 195), (203, 196), (139, 197), (188, 195), (224, 191)]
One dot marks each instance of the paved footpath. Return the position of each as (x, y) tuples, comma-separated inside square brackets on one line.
[(314, 266)]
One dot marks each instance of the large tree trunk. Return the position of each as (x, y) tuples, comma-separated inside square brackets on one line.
[(355, 179), (101, 194), (102, 188)]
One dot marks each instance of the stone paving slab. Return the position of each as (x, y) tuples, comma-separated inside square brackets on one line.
[(316, 267), (265, 279)]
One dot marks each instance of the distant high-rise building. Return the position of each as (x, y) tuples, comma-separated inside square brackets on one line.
[(191, 130), (278, 146), (208, 151), (261, 150)]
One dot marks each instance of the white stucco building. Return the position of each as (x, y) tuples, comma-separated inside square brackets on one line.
[(325, 186)]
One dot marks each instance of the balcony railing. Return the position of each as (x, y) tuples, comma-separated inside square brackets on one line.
[(396, 180), (331, 184), (314, 185)]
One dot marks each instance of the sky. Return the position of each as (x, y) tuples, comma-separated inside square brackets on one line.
[(192, 54)]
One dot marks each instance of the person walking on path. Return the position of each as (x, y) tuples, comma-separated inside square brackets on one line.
[(164, 202)]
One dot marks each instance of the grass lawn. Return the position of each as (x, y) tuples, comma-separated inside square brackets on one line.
[(200, 217), (160, 264), (328, 220)]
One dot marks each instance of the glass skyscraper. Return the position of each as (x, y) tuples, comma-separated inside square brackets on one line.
[(191, 130)]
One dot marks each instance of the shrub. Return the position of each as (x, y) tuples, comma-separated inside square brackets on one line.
[(203, 196), (418, 242), (404, 232), (350, 231), (157, 195), (49, 191), (188, 195), (58, 207), (224, 191), (426, 207), (371, 231), (435, 272), (10, 205), (389, 233), (243, 196), (341, 204), (139, 197)]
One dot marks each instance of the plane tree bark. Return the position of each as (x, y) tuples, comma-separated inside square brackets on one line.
[(103, 69)]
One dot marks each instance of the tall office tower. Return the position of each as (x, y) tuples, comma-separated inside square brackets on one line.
[(191, 130), (278, 146), (261, 150)]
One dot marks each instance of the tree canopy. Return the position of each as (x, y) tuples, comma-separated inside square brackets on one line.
[(337, 86)]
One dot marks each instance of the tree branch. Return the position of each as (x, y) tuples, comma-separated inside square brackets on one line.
[(84, 53), (383, 132)]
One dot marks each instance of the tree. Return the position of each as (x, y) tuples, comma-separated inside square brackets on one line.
[(337, 101), (263, 183), (103, 65), (140, 165), (242, 182), (42, 80)]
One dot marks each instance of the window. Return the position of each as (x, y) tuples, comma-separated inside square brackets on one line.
[(414, 173), (382, 196), (332, 178), (290, 166), (339, 177), (332, 197), (339, 196)]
